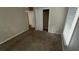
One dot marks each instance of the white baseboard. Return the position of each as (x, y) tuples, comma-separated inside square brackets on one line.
[(12, 36), (64, 43)]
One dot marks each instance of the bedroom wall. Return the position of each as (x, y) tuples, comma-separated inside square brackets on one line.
[(70, 24), (74, 44), (57, 17), (39, 19), (13, 21)]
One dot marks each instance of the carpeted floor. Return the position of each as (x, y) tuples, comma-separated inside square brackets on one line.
[(33, 41)]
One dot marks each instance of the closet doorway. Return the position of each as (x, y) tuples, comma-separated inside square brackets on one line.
[(45, 19)]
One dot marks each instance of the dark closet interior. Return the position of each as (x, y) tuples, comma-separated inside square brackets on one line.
[(45, 19)]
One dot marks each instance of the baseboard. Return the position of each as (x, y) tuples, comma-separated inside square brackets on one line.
[(64, 43), (12, 36)]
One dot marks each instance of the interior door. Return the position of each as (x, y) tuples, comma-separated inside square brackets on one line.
[(45, 19)]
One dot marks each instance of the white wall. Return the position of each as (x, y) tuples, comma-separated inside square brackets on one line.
[(39, 20), (57, 17), (74, 44), (12, 22), (70, 24)]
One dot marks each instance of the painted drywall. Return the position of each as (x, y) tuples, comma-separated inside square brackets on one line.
[(74, 44), (39, 20), (31, 18), (70, 24), (12, 22), (57, 17)]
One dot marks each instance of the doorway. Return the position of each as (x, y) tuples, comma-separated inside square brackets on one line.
[(45, 19), (31, 20)]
